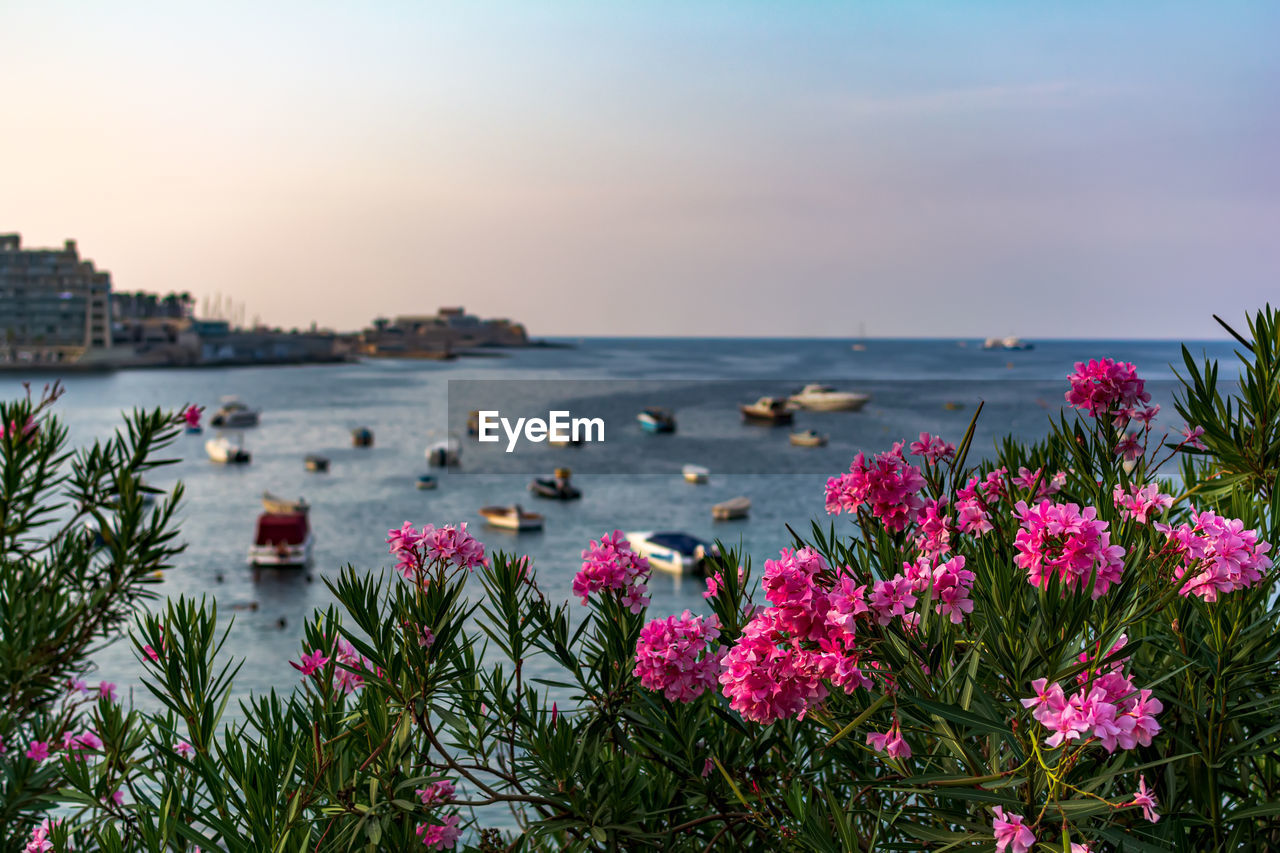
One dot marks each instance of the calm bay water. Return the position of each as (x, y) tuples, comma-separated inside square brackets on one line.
[(312, 410)]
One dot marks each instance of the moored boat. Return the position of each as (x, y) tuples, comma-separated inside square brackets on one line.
[(234, 413), (656, 419), (672, 551), (223, 451), (362, 437), (824, 398), (557, 487), (313, 462), (282, 539), (444, 454), (808, 438), (731, 509), (276, 505), (511, 517), (695, 474), (770, 411)]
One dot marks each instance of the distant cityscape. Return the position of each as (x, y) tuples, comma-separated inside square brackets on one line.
[(58, 310)]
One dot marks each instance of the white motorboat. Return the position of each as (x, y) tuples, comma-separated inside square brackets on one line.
[(772, 411), (808, 438), (824, 398), (1010, 343), (282, 538), (511, 518), (444, 454), (731, 509), (671, 551), (696, 474), (222, 450), (234, 413)]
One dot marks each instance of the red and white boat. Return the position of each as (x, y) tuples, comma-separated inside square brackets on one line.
[(283, 536)]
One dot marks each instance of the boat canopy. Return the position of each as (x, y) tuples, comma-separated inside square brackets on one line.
[(281, 529), (681, 543)]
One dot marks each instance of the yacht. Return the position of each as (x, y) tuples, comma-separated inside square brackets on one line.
[(824, 398), (235, 414)]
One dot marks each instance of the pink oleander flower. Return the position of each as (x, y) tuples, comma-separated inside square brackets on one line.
[(1063, 541), (87, 740), (440, 836), (184, 749), (1218, 555), (934, 527), (1146, 799), (610, 564), (1129, 447), (38, 751), (347, 679), (890, 742), (1102, 387), (1191, 437), (311, 663), (151, 653), (3, 748), (976, 499), (1049, 485), (791, 585), (191, 414), (891, 598), (706, 767), (887, 484), (932, 448), (115, 798), (1107, 707), (674, 656), (437, 792), (1141, 503), (1081, 847), (107, 690), (426, 639), (951, 585), (75, 685), (714, 583), (1011, 832), (39, 841)]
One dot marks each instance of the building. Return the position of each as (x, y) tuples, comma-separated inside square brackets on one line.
[(442, 334), (54, 305)]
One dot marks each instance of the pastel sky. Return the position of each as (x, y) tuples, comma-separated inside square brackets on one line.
[(661, 168)]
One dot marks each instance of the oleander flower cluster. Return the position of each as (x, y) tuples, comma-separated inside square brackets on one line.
[(610, 564), (1216, 555), (1106, 708), (1105, 387), (1141, 503), (887, 484), (675, 656), (416, 549), (1066, 542)]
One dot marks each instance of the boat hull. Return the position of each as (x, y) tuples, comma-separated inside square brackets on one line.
[(274, 556), (237, 420)]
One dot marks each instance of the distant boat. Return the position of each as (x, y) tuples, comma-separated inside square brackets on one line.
[(426, 482), (1010, 343), (557, 487), (444, 454), (771, 411), (824, 398), (860, 345), (511, 518), (223, 451), (473, 422), (672, 551), (235, 414), (731, 509), (283, 506), (362, 437), (656, 419), (312, 462), (282, 538), (808, 438), (695, 474)]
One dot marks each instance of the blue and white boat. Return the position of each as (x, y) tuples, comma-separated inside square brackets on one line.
[(655, 419), (672, 551)]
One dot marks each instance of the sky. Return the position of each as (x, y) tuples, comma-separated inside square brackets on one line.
[(1081, 169)]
